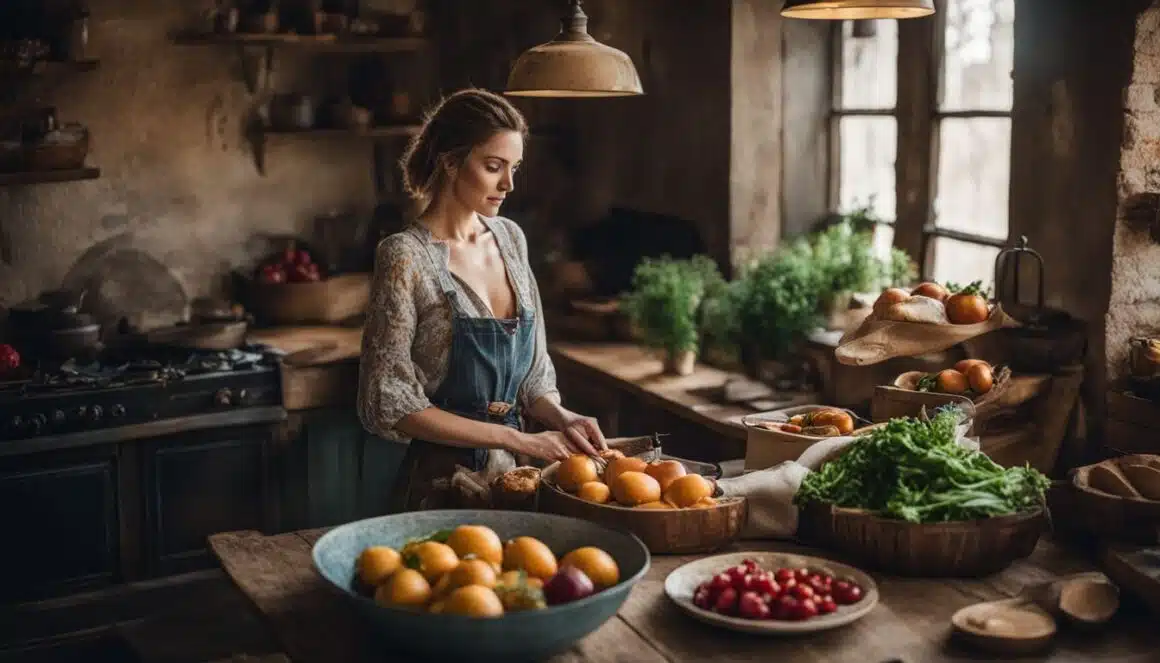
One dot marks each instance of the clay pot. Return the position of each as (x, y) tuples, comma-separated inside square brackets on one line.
[(680, 363)]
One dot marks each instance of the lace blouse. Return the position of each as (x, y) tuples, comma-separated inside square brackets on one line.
[(407, 336)]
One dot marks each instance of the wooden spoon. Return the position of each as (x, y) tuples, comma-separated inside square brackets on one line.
[(1089, 602), (1008, 626)]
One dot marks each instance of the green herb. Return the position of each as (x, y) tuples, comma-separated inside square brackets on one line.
[(973, 288), (914, 470), (666, 298), (928, 382)]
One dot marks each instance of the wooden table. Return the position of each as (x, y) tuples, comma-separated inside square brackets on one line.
[(910, 624)]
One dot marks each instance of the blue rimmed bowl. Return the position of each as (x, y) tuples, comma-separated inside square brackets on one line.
[(517, 636)]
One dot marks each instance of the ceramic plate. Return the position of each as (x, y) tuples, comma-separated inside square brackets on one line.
[(682, 582)]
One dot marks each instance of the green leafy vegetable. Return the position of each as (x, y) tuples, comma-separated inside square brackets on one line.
[(914, 470)]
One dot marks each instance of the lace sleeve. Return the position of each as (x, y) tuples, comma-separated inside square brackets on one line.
[(389, 388)]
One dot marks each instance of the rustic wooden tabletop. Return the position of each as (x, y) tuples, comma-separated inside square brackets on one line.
[(911, 623)]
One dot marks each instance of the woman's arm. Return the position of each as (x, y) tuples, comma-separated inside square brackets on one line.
[(391, 400)]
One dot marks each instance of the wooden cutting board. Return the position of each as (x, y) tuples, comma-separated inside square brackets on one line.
[(342, 342), (320, 368)]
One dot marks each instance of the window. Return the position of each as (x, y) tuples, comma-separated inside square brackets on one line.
[(954, 219)]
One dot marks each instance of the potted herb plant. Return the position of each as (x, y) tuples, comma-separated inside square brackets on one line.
[(779, 304), (721, 338), (665, 306)]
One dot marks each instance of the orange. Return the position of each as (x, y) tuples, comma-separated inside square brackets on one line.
[(655, 505), (575, 471), (531, 555), (705, 503), (688, 490), (665, 471), (376, 564), (471, 572), (473, 601), (596, 564), (405, 588), (476, 540), (594, 491), (618, 466), (435, 559), (632, 488)]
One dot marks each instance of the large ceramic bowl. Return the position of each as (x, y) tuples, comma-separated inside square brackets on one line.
[(517, 636)]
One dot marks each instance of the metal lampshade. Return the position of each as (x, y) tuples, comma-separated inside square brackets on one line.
[(857, 9), (573, 65)]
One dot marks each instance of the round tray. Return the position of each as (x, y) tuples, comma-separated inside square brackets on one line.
[(682, 582)]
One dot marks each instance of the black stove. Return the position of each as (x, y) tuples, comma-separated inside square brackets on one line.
[(123, 394)]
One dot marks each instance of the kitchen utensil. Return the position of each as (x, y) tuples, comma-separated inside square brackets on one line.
[(1048, 338), (682, 582), (1123, 516), (525, 635), (1009, 626)]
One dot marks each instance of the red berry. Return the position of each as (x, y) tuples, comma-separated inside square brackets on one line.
[(736, 573), (805, 610), (701, 598), (802, 574), (726, 602), (781, 575), (765, 584), (751, 606), (847, 593), (826, 605), (784, 607), (751, 565), (802, 592), (720, 582)]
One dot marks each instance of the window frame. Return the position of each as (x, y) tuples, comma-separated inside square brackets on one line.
[(917, 115)]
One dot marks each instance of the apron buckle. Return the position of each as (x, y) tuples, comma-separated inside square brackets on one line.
[(499, 408)]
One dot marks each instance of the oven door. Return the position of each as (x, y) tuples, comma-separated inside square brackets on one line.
[(200, 483)]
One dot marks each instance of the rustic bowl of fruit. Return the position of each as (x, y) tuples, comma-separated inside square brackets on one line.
[(291, 287), (671, 507), (772, 593), (481, 585)]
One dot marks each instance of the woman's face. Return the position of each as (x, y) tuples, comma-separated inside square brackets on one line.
[(487, 175)]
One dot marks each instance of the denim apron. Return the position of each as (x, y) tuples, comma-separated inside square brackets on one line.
[(488, 362)]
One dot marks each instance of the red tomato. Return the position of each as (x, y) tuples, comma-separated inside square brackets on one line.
[(750, 606), (9, 358), (726, 603), (271, 274)]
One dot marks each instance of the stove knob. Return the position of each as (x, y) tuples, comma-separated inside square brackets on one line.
[(117, 411), (95, 413), (37, 423), (240, 399), (16, 424), (224, 397), (58, 417)]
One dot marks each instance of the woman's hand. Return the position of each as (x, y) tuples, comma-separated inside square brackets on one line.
[(548, 445), (584, 433)]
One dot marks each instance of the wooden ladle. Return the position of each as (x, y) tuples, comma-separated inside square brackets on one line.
[(1005, 627), (1089, 601)]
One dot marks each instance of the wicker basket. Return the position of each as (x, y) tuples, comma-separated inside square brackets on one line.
[(1128, 519), (953, 549), (330, 301)]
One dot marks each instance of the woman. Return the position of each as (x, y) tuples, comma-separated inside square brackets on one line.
[(454, 350)]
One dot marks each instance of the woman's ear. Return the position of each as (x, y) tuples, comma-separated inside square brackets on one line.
[(450, 166)]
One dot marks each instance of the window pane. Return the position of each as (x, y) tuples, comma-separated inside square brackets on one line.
[(869, 65), (980, 49), (883, 240), (867, 146), (963, 262), (974, 163)]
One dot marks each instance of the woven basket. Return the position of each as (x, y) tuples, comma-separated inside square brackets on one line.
[(954, 549), (329, 301)]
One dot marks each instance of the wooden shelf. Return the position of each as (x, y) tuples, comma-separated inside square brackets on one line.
[(48, 176), (394, 131), (331, 43), (52, 66)]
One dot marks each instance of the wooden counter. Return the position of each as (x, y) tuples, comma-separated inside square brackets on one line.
[(313, 624)]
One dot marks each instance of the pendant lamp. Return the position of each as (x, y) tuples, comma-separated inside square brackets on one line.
[(573, 65), (857, 9)]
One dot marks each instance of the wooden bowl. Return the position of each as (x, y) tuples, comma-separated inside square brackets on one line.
[(951, 549), (329, 301), (663, 531), (1130, 519)]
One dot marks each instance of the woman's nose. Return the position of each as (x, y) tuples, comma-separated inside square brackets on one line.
[(507, 182)]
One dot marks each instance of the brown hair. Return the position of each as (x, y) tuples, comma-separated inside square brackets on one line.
[(455, 125)]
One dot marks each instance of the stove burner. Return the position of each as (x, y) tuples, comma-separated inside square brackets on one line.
[(114, 370)]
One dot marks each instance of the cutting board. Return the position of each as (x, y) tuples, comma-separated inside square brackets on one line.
[(320, 368)]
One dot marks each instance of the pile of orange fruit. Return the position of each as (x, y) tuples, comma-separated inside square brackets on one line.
[(469, 571), (632, 482)]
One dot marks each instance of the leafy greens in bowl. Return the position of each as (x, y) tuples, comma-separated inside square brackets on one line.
[(915, 470)]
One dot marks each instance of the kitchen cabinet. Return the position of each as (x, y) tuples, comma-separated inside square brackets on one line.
[(198, 484), (61, 521)]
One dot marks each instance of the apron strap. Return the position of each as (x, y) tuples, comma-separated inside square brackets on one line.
[(511, 261), (446, 283)]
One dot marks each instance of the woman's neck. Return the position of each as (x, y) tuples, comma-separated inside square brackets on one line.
[(448, 220)]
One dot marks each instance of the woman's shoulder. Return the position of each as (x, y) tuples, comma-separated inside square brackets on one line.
[(514, 231), (399, 245)]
